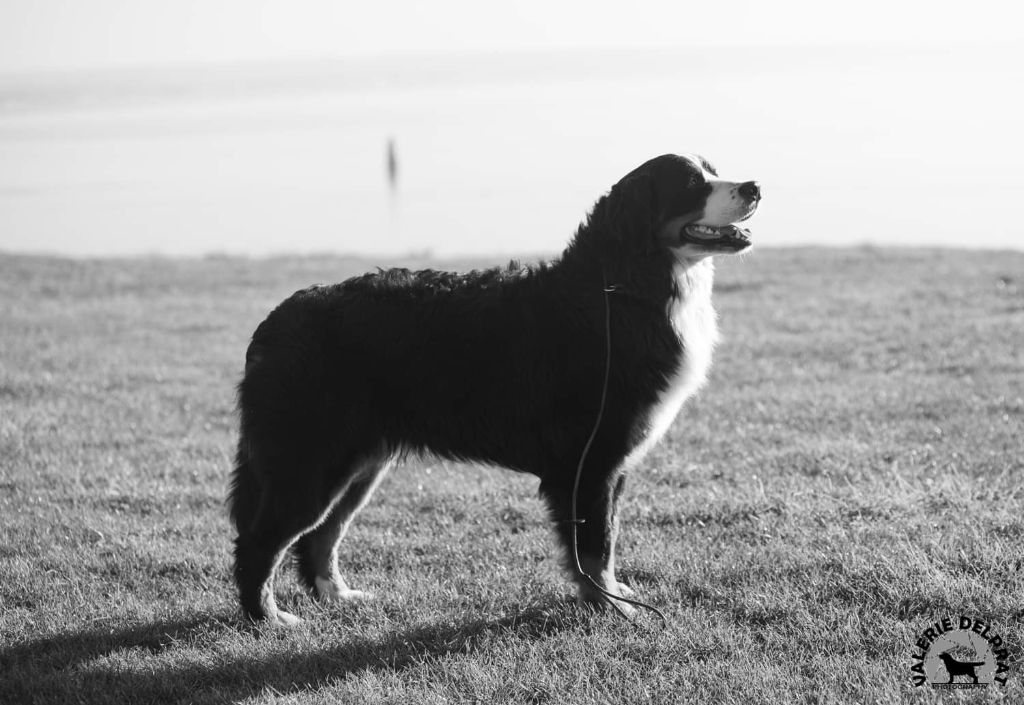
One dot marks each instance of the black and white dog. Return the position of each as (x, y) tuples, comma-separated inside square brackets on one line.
[(502, 367)]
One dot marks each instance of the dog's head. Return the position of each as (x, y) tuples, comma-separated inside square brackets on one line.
[(689, 208)]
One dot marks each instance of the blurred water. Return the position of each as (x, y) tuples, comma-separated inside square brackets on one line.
[(504, 154)]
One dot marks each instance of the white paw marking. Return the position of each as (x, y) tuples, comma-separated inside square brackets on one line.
[(330, 591), (626, 590), (597, 601), (283, 619)]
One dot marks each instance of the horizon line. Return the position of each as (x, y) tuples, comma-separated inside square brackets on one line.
[(362, 57)]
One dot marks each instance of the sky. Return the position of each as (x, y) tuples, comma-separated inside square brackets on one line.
[(87, 34)]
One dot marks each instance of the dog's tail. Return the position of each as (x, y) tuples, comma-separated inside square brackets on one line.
[(246, 489), (244, 495)]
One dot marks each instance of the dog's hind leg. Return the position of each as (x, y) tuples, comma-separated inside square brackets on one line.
[(318, 550), (281, 511)]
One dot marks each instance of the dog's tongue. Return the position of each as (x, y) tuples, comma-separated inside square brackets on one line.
[(711, 232), (724, 236)]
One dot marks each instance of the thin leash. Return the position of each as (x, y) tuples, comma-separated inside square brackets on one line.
[(574, 520)]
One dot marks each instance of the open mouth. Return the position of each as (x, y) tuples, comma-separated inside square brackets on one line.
[(724, 236)]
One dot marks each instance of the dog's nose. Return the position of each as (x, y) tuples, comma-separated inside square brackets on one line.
[(750, 191)]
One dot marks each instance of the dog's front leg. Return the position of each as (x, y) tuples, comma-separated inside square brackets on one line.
[(597, 528)]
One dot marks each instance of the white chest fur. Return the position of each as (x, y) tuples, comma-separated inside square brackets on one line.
[(694, 320)]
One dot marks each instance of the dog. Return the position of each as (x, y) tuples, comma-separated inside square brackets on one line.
[(502, 367), (960, 668)]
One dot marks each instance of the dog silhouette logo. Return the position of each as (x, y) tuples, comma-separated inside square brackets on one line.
[(960, 668), (960, 654)]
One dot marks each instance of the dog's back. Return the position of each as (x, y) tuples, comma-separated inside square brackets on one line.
[(384, 359)]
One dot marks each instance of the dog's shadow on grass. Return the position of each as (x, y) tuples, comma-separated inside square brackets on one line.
[(104, 664)]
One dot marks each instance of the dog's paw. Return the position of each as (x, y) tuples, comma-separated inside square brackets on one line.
[(599, 601), (330, 591), (281, 618), (626, 590), (603, 603)]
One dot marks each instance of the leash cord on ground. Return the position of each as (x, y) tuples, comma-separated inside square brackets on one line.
[(574, 521)]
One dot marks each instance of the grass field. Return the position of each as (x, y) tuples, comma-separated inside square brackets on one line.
[(851, 473)]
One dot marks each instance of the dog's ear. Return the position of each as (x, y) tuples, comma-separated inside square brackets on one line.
[(632, 211)]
